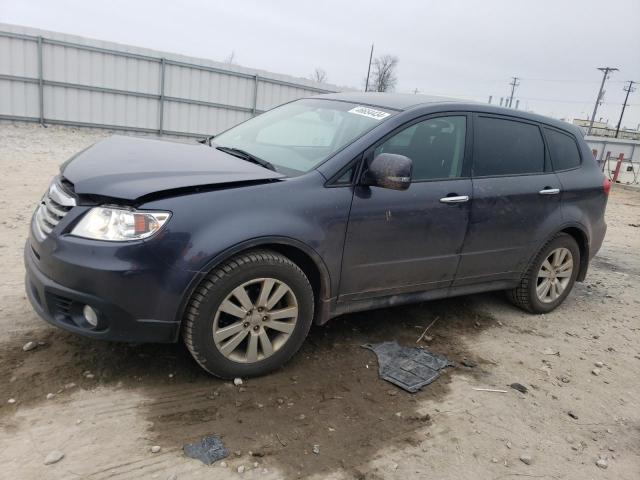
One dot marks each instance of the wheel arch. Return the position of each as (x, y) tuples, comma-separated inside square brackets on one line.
[(579, 234), (581, 238), (309, 261)]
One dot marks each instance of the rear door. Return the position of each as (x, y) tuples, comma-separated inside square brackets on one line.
[(403, 241), (516, 201)]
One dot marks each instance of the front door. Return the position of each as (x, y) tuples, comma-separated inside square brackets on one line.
[(404, 241)]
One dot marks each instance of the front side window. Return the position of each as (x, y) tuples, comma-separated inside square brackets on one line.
[(563, 150), (506, 147), (435, 146), (300, 135)]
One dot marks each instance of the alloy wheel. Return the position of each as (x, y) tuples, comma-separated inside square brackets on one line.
[(554, 275), (255, 320)]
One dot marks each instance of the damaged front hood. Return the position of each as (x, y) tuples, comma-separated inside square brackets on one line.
[(129, 168)]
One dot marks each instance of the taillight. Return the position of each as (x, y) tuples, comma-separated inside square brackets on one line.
[(606, 186)]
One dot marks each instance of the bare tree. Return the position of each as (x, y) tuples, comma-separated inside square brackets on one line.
[(319, 75), (231, 58), (383, 75)]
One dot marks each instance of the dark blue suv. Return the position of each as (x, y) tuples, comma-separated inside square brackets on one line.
[(320, 207)]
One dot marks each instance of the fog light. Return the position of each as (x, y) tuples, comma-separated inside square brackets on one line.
[(90, 315)]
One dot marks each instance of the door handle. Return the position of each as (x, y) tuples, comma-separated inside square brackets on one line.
[(549, 191), (455, 199)]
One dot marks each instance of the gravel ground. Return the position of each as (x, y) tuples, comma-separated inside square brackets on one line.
[(104, 406)]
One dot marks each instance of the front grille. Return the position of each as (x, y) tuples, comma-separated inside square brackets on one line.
[(55, 204)]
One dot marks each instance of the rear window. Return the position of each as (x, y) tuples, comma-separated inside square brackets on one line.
[(506, 147), (563, 150)]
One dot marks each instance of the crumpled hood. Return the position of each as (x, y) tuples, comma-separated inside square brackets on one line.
[(129, 167)]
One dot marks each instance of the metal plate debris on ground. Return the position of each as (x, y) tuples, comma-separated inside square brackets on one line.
[(209, 450), (408, 368)]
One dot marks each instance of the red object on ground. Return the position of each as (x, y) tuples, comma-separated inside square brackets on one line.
[(618, 165)]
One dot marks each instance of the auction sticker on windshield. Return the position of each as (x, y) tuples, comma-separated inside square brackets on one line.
[(369, 112)]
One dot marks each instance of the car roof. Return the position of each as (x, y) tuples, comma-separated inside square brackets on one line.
[(395, 101), (406, 101)]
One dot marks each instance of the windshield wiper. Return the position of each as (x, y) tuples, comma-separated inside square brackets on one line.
[(236, 152)]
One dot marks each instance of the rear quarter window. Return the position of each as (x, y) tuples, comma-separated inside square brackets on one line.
[(562, 149), (506, 147)]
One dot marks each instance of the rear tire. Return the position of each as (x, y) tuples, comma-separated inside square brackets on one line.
[(550, 277), (228, 327)]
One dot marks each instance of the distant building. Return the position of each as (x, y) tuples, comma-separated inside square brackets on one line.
[(602, 129)]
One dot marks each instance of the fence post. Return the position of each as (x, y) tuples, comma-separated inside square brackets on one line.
[(161, 106), (40, 83), (255, 95)]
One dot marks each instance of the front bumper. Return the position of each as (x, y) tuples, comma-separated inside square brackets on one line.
[(131, 306)]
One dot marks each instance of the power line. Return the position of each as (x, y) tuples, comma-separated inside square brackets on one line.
[(514, 83), (366, 86), (605, 73), (629, 88)]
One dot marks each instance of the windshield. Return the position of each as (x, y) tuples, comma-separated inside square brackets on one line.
[(296, 137)]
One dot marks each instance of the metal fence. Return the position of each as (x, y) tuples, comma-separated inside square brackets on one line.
[(54, 78), (617, 155)]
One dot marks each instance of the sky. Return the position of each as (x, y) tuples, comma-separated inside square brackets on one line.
[(461, 48)]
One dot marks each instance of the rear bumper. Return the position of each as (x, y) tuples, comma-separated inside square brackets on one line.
[(62, 306)]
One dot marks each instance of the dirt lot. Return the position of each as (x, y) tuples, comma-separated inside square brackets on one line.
[(111, 403)]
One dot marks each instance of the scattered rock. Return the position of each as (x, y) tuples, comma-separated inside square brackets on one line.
[(53, 457), (526, 459), (50, 396), (29, 346), (11, 401), (280, 401), (468, 363), (602, 463), (595, 371), (519, 387), (223, 464), (565, 379), (237, 381), (241, 469), (155, 449), (89, 375), (70, 385), (316, 449), (572, 415), (599, 364), (550, 351)]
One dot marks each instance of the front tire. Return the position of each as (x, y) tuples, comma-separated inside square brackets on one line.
[(249, 316), (550, 278)]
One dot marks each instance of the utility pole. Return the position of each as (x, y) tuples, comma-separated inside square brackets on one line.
[(514, 83), (366, 86), (629, 88), (605, 73)]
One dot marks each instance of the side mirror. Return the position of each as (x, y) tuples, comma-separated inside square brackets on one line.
[(389, 170)]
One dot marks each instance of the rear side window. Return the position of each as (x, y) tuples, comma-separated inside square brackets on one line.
[(506, 147), (563, 150)]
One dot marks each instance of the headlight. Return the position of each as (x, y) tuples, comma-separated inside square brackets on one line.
[(119, 224)]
